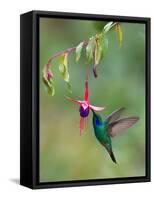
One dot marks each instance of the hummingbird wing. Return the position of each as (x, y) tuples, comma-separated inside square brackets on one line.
[(120, 125), (114, 115)]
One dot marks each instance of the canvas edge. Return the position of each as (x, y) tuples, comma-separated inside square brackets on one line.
[(35, 183), (26, 99)]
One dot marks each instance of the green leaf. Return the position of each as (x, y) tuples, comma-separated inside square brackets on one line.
[(47, 80), (108, 26), (98, 53), (63, 67), (69, 87), (118, 30), (101, 47), (104, 44), (51, 90), (49, 86), (79, 51), (89, 49)]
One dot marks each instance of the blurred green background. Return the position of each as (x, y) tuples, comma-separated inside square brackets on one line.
[(64, 154)]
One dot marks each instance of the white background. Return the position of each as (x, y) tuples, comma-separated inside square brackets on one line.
[(9, 98)]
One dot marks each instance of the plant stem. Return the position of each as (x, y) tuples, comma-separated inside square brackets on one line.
[(65, 51)]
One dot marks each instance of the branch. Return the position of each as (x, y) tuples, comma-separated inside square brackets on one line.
[(95, 47), (65, 51)]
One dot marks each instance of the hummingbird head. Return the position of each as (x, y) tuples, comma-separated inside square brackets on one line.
[(97, 120)]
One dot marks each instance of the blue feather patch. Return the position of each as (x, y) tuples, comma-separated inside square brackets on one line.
[(98, 122)]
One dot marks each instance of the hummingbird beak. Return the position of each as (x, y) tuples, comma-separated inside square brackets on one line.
[(93, 112)]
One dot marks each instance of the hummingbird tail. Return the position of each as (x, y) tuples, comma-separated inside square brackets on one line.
[(112, 156)]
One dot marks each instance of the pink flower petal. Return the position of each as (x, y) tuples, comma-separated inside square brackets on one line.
[(75, 101), (98, 109), (86, 91), (82, 124), (84, 104)]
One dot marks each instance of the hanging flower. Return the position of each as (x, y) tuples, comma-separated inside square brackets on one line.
[(85, 106)]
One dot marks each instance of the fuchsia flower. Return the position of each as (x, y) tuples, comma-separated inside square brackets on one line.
[(85, 106)]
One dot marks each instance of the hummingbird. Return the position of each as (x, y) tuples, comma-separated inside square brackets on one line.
[(110, 127)]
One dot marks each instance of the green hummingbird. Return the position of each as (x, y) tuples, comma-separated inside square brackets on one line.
[(111, 127)]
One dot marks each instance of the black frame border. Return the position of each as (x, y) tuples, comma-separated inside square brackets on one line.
[(35, 184)]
